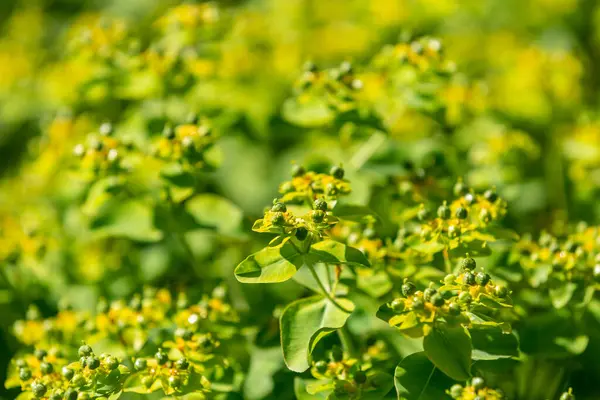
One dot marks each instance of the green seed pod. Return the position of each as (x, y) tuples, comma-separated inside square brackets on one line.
[(175, 381), (78, 380), (465, 297), (70, 394), (461, 213), (279, 207), (360, 377), (112, 362), (321, 366), (417, 303), (482, 278), (67, 373), (140, 364), (24, 374), (337, 172), (469, 279), (397, 305), (501, 291), (437, 300), (38, 389), (85, 350), (456, 391), (318, 216), (478, 383), (40, 354), (427, 293), (92, 362), (408, 289), (454, 309), (449, 279), (161, 357), (46, 368), (320, 204), (490, 196), (277, 218), (182, 363), (301, 233), (298, 170), (444, 212), (468, 264)]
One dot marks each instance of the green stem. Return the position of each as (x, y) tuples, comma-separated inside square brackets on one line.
[(347, 342), (447, 262), (325, 291)]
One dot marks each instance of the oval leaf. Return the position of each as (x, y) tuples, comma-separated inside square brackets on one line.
[(304, 322), (332, 252), (270, 265), (416, 378), (449, 349)]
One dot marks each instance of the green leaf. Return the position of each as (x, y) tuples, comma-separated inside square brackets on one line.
[(270, 265), (300, 390), (561, 295), (309, 114), (449, 349), (575, 345), (215, 211), (131, 219), (416, 378), (263, 365), (353, 212), (332, 252), (304, 322), (491, 343)]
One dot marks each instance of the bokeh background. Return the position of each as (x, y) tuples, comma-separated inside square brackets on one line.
[(522, 113)]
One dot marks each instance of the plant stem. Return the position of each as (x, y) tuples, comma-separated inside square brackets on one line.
[(325, 291), (347, 342), (447, 262)]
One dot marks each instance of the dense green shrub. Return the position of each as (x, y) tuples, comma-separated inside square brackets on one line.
[(371, 199)]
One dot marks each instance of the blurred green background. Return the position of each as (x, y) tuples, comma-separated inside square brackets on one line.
[(535, 133)]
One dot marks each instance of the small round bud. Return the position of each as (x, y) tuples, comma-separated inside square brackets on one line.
[(182, 363), (468, 264), (461, 213), (437, 300), (318, 216), (279, 207), (298, 170), (277, 218), (427, 293), (454, 309), (46, 368), (92, 362), (464, 297), (490, 195), (85, 350), (417, 303), (70, 394), (40, 354), (140, 364), (320, 204), (482, 278), (456, 391), (397, 305), (38, 389), (501, 291), (449, 279), (360, 377), (408, 288), (321, 366), (161, 357), (78, 380), (301, 233), (112, 362), (337, 172), (478, 383), (67, 373), (469, 279), (174, 381), (444, 212), (24, 374)]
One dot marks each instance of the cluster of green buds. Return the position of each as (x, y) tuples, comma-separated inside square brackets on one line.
[(128, 324), (467, 299), (177, 377), (315, 190), (425, 53), (467, 214), (102, 152), (337, 86), (475, 389), (44, 374), (346, 376), (185, 143), (573, 257)]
